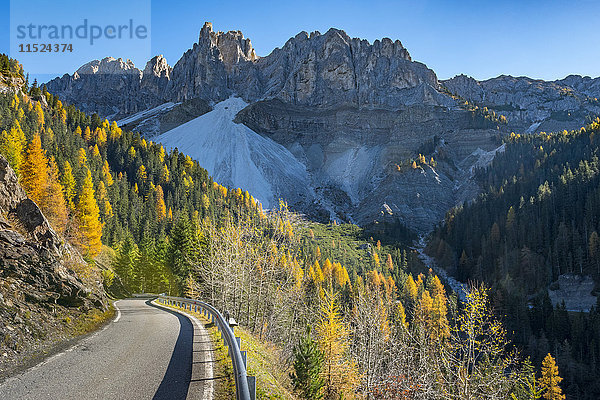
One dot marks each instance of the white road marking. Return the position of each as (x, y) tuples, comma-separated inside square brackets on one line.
[(118, 311), (68, 350)]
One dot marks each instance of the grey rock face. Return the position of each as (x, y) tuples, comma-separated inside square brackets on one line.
[(562, 104), (315, 70), (352, 155), (112, 87), (32, 253)]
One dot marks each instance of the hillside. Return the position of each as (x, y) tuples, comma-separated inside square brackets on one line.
[(532, 236), (381, 324)]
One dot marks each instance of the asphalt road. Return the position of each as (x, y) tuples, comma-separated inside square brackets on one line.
[(145, 353)]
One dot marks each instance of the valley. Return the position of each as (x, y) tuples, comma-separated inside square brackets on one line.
[(367, 224)]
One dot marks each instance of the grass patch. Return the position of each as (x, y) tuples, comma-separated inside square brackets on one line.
[(272, 379), (90, 321)]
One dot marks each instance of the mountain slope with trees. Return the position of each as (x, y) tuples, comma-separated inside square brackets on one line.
[(538, 220)]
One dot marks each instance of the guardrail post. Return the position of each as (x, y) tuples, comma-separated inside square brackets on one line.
[(252, 387), (239, 342), (244, 356)]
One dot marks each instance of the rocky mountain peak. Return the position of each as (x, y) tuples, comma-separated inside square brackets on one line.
[(320, 70), (157, 66), (232, 45), (109, 65)]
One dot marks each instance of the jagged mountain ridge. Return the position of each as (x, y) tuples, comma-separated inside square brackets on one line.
[(316, 69), (353, 113), (531, 104)]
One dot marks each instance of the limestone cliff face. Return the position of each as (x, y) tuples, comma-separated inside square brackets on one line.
[(113, 87), (316, 70), (531, 104)]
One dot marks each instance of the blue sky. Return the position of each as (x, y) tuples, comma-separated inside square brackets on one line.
[(544, 39)]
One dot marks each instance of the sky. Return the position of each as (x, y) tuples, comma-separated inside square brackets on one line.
[(545, 39)]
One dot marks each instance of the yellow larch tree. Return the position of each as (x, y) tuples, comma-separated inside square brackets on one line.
[(164, 174), (34, 171), (87, 134), (81, 157), (38, 116), (88, 214), (389, 263), (12, 146), (410, 290), (55, 205), (439, 310), (106, 175), (340, 372), (161, 208), (550, 379), (69, 184)]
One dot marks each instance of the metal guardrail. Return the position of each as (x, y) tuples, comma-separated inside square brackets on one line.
[(245, 386)]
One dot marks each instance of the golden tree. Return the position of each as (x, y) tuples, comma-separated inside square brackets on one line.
[(69, 184), (34, 171), (161, 208), (55, 206), (88, 214), (550, 379), (389, 263), (106, 175), (38, 116), (12, 146), (340, 373)]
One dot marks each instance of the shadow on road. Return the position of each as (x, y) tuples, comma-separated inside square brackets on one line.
[(176, 382)]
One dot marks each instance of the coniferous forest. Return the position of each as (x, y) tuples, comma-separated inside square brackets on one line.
[(538, 219)]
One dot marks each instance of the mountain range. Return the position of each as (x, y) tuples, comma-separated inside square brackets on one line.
[(339, 127)]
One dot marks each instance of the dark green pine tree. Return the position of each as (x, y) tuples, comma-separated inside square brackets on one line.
[(183, 248), (308, 362), (125, 262)]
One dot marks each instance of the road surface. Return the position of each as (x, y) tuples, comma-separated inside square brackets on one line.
[(146, 352)]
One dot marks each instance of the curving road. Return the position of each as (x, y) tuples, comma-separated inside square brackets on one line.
[(146, 353)]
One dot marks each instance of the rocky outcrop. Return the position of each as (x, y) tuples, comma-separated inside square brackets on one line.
[(33, 253), (38, 284)]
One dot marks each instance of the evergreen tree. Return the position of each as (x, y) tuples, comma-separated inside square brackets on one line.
[(125, 262), (183, 247), (308, 363)]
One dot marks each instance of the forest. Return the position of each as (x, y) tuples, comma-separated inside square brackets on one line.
[(354, 318), (538, 219)]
